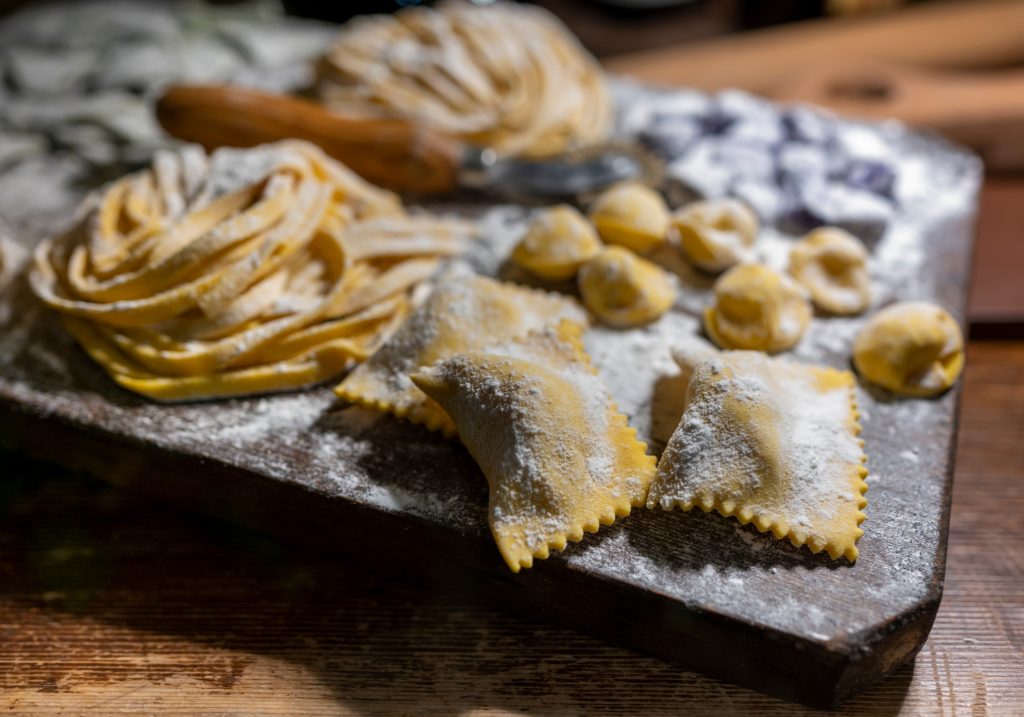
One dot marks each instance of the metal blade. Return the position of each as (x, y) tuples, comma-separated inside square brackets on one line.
[(568, 177)]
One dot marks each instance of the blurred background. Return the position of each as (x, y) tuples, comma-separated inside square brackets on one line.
[(608, 27)]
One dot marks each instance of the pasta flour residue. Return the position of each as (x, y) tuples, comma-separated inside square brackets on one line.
[(767, 436)]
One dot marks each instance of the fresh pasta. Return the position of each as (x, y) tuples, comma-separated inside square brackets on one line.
[(716, 234), (245, 271), (557, 243), (559, 457), (465, 312), (912, 348), (505, 76), (770, 442), (832, 265), (757, 308), (624, 290), (631, 215)]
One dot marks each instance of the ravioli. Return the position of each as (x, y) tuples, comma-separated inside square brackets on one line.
[(757, 308), (557, 243), (559, 458), (465, 312), (772, 442), (689, 354), (912, 348)]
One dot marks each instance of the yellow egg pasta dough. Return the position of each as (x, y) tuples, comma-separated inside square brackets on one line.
[(245, 271), (505, 76), (465, 312), (716, 234), (557, 243), (911, 348), (832, 265), (559, 458), (624, 290), (631, 215), (772, 442), (756, 308)]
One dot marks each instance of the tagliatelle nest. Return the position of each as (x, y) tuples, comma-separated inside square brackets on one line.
[(241, 272), (505, 76)]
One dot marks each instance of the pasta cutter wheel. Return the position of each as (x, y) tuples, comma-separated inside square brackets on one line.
[(395, 153)]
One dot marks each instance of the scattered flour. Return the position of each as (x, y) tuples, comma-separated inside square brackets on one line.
[(512, 382), (910, 456), (353, 454), (797, 436)]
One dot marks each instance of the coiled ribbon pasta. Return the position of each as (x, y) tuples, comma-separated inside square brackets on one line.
[(505, 76), (245, 271)]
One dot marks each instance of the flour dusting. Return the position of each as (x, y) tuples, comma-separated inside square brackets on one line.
[(311, 440)]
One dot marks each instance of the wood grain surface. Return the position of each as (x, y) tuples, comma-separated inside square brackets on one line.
[(703, 593), (110, 603), (996, 303)]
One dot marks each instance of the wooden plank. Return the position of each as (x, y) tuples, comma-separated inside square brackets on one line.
[(941, 35), (697, 589), (997, 295), (112, 603)]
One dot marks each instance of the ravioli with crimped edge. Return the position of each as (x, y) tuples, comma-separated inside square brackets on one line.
[(559, 458), (465, 312), (242, 272), (770, 442)]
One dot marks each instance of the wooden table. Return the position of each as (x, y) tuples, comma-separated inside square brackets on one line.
[(110, 603)]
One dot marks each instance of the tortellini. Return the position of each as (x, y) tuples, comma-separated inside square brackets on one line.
[(623, 289), (631, 215), (559, 458), (757, 308), (557, 243), (832, 265), (772, 442), (911, 348), (717, 233)]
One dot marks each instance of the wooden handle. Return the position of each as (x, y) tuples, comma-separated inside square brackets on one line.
[(391, 153), (985, 110)]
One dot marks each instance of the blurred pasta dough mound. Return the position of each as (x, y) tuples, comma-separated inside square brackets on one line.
[(505, 76)]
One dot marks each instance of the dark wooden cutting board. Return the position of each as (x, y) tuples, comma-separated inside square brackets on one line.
[(697, 589)]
